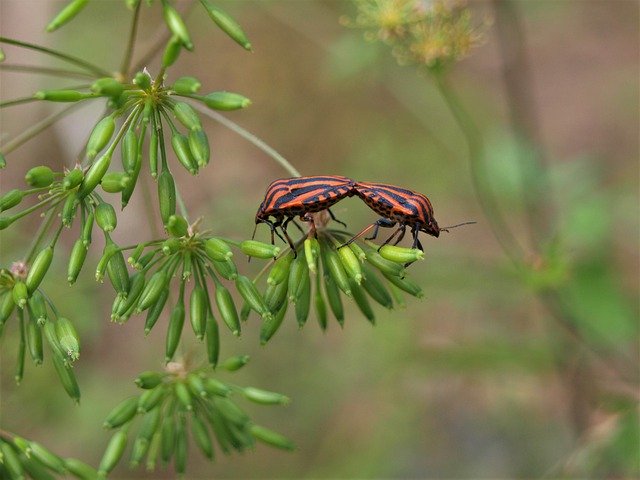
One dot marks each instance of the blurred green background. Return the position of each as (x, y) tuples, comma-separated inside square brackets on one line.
[(478, 379)]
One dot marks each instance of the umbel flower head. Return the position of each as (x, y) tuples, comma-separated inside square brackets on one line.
[(431, 33)]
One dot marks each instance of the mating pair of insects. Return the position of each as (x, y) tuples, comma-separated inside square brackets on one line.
[(302, 196)]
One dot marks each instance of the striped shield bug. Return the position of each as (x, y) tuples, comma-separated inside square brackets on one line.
[(301, 196)]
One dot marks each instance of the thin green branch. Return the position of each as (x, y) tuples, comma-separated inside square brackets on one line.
[(54, 72), (99, 72), (126, 61), (284, 163), (44, 226), (19, 101)]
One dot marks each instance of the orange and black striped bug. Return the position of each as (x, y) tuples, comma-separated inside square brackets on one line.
[(400, 206), (301, 196)]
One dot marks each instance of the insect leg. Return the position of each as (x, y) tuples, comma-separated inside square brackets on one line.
[(400, 230), (333, 217), (416, 242), (404, 227), (286, 234), (381, 222)]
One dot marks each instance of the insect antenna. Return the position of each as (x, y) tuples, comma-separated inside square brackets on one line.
[(446, 229)]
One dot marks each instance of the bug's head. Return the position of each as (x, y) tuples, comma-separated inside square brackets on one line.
[(432, 228)]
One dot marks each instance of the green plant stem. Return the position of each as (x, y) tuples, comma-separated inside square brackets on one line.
[(149, 206), (99, 72), (34, 130), (19, 101), (44, 226), (284, 163), (54, 72), (128, 53), (475, 148)]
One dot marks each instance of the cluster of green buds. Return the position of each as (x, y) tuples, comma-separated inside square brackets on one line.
[(180, 401), (21, 459)]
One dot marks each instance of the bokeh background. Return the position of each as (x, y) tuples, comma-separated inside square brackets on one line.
[(478, 379)]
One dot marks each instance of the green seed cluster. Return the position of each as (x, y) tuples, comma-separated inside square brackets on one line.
[(177, 404), (21, 459)]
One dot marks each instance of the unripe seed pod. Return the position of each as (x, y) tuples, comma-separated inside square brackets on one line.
[(174, 332), (112, 453), (181, 445), (109, 251), (351, 264), (196, 385), (375, 288), (171, 245), (276, 295), (152, 398), (149, 380), (226, 269), (213, 340), (183, 395), (136, 286), (271, 438), (121, 413), (333, 296), (154, 449), (177, 226), (400, 254), (154, 312), (39, 269), (217, 249), (321, 308), (38, 177), (264, 397), (227, 309), (22, 347), (94, 175), (152, 291), (100, 136), (37, 308), (138, 451), (171, 51), (385, 266), (166, 195), (271, 325), (68, 338), (250, 293), (6, 221), (228, 25), (72, 179), (405, 284), (20, 294), (199, 146), (150, 424), (336, 270), (303, 302), (201, 436), (215, 387), (80, 469), (153, 154), (47, 458), (67, 378), (49, 330), (69, 209), (311, 251), (66, 14), (245, 311), (135, 255), (298, 271), (11, 199), (225, 101), (129, 150), (87, 227), (61, 95), (358, 251), (11, 462), (168, 441), (142, 80), (232, 412), (115, 182), (280, 270), (108, 86), (187, 116), (176, 25), (145, 259), (34, 341), (198, 311), (236, 362), (180, 144), (7, 305), (186, 85)]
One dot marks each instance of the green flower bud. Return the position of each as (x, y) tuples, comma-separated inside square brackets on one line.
[(37, 308), (177, 226), (215, 387), (20, 294), (149, 380), (226, 269), (176, 25), (38, 177), (66, 14), (385, 266), (152, 291), (180, 144), (113, 453), (250, 293), (321, 308), (22, 346), (108, 86), (171, 245), (271, 324), (69, 209), (67, 378), (181, 446), (303, 302), (34, 341), (6, 221), (201, 436), (10, 199), (94, 175), (118, 274), (225, 101), (168, 442), (183, 395), (49, 330), (362, 302), (153, 154), (61, 95), (311, 251), (236, 362), (199, 146), (299, 270), (187, 116), (257, 249), (264, 397), (166, 195), (11, 462), (152, 398), (358, 251), (198, 306), (271, 438), (39, 268), (129, 151), (136, 286), (280, 270), (333, 296), (212, 334), (68, 338), (174, 332), (100, 136), (80, 469), (218, 249), (227, 309), (401, 254), (72, 179), (376, 289), (227, 24), (186, 85), (196, 385), (405, 284), (232, 412), (334, 268), (142, 80), (87, 227), (154, 449), (351, 264), (47, 458), (154, 312), (150, 424), (7, 305), (114, 182), (275, 296), (171, 51)]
